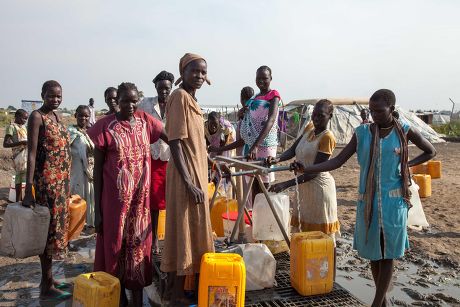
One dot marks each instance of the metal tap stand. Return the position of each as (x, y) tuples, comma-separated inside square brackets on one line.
[(254, 170)]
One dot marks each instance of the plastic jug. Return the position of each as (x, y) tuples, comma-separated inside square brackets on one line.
[(229, 220), (264, 225), (419, 168), (161, 225), (434, 169), (211, 189), (260, 266), (222, 280), (12, 192), (24, 231), (416, 215), (424, 183), (221, 205), (97, 289), (77, 213), (312, 263)]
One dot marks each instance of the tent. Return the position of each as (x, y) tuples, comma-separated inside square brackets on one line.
[(346, 118)]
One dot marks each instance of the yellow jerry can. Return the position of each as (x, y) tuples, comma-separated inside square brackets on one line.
[(98, 289), (77, 213), (434, 169), (161, 225), (424, 183), (221, 206)]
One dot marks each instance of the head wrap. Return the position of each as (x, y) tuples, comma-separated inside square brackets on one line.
[(184, 61)]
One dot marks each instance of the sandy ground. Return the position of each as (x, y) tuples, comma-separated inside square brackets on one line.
[(427, 276)]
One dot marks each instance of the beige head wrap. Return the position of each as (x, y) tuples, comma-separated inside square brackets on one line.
[(186, 59)]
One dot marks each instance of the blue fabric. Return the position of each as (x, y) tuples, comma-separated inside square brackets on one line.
[(389, 209)]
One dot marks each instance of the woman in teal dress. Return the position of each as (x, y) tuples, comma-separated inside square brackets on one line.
[(383, 202)]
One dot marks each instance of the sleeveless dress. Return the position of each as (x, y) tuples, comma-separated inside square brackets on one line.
[(318, 201), (390, 209), (52, 181)]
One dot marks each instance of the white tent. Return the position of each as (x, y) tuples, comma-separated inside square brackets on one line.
[(346, 118)]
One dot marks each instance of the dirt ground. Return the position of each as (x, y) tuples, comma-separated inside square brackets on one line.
[(432, 266)]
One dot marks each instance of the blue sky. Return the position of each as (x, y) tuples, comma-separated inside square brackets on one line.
[(315, 48)]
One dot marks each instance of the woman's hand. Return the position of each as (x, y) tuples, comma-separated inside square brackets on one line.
[(252, 153), (213, 149), (269, 161), (297, 167), (196, 193), (279, 187)]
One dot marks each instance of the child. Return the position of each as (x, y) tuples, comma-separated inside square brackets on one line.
[(16, 139), (218, 132), (82, 149), (48, 171), (383, 202)]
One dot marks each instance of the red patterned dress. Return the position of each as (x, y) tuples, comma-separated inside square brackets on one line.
[(52, 180), (124, 247)]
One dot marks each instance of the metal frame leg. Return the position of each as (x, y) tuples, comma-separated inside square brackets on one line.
[(241, 210)]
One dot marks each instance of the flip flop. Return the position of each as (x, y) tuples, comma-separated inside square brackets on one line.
[(61, 297), (63, 285)]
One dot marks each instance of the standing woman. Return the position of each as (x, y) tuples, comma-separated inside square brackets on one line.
[(318, 200), (156, 106), (110, 98), (48, 171), (188, 227), (82, 149), (381, 215), (122, 193), (258, 128)]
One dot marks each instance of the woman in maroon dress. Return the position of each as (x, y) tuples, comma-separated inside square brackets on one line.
[(122, 191)]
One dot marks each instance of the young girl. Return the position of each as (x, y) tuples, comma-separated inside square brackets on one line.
[(16, 139), (110, 98), (82, 149), (383, 202), (188, 226), (48, 171), (218, 132), (122, 190)]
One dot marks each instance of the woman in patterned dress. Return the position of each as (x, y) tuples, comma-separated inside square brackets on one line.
[(48, 171), (122, 193), (381, 214)]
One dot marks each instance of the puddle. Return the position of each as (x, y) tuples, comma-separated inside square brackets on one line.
[(415, 280)]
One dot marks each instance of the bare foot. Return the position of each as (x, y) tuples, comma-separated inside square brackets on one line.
[(54, 294)]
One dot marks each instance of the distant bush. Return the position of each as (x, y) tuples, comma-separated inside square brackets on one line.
[(5, 119), (450, 129)]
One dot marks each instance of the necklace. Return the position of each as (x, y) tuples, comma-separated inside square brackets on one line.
[(387, 128)]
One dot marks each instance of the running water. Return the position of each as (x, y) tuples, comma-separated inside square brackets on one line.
[(298, 201)]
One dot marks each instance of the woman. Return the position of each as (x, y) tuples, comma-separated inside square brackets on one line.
[(156, 106), (110, 98), (48, 171), (318, 201), (188, 227), (381, 215), (122, 190), (82, 149)]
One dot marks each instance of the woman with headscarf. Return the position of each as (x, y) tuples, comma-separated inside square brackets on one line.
[(188, 232), (383, 202)]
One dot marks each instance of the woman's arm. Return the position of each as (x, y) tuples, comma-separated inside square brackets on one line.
[(332, 164), (8, 142), (179, 161), (272, 112), (231, 146), (290, 153), (99, 159), (164, 137), (33, 130), (429, 152)]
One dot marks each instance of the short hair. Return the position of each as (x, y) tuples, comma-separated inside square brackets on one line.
[(48, 85), (126, 87), (328, 103), (108, 90), (214, 115), (20, 112), (91, 99), (247, 92), (385, 95), (81, 108), (163, 75), (265, 67)]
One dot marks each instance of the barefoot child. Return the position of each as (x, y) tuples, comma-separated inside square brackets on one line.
[(16, 139), (383, 202)]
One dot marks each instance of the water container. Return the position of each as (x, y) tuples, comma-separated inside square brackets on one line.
[(77, 213), (24, 231), (222, 280), (260, 266), (264, 225), (221, 205), (419, 168), (12, 192), (98, 289), (434, 169), (229, 220), (312, 263), (211, 189), (424, 183), (161, 225)]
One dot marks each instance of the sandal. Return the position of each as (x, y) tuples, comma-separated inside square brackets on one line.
[(61, 297), (62, 285)]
